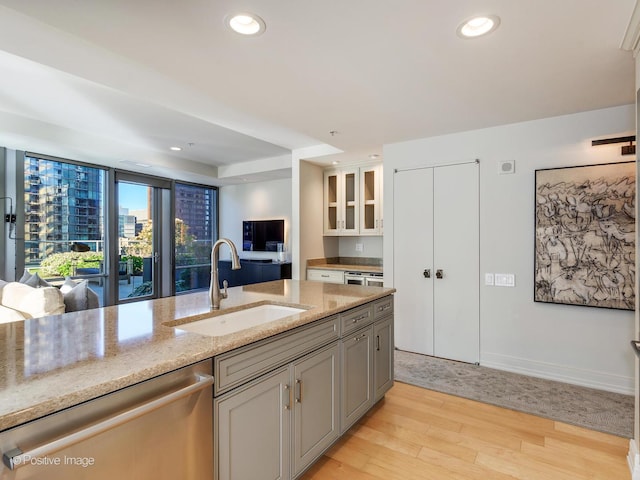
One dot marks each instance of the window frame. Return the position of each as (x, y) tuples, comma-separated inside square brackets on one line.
[(109, 229)]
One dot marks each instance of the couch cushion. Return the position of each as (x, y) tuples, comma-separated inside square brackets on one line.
[(32, 302), (10, 315), (78, 296)]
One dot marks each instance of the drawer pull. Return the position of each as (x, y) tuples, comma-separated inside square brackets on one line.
[(357, 339), (382, 308), (361, 317)]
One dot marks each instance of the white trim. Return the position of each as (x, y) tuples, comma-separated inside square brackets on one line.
[(631, 39), (436, 165), (561, 373), (633, 459)]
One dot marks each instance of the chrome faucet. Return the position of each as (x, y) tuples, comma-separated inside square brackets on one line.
[(214, 289)]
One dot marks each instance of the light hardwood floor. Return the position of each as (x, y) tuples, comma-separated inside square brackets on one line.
[(416, 434)]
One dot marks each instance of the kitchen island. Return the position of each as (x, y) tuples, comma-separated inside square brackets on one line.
[(52, 363)]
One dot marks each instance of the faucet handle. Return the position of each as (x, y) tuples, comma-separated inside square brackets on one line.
[(225, 284)]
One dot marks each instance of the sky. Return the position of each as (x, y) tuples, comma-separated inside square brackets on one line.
[(132, 196)]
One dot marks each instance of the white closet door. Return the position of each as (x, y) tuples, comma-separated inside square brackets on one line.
[(456, 246), (412, 255)]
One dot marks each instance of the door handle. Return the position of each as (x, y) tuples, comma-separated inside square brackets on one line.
[(298, 392), (439, 273), (427, 273), (287, 392)]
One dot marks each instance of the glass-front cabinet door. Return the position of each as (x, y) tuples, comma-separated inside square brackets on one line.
[(341, 211), (371, 222)]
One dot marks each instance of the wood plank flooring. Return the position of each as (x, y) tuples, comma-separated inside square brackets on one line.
[(416, 434)]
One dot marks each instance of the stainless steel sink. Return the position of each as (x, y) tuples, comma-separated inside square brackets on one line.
[(226, 323)]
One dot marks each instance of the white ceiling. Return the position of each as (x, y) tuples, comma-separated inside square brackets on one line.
[(117, 82)]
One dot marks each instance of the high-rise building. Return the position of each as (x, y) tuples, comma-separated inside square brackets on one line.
[(194, 206), (63, 205)]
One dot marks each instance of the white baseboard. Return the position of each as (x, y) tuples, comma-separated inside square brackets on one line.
[(633, 458), (561, 373)]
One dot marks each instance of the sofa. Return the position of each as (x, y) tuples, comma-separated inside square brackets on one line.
[(19, 301), (33, 297)]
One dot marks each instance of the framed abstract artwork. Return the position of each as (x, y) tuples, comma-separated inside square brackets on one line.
[(585, 235)]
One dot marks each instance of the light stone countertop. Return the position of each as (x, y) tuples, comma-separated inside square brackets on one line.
[(55, 362), (346, 267)]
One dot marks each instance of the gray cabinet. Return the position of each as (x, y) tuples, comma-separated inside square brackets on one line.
[(315, 405), (253, 430), (382, 357), (277, 425), (282, 401), (357, 376)]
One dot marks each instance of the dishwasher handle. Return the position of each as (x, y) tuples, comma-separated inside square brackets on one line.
[(15, 458)]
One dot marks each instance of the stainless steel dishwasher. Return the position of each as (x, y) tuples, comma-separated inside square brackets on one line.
[(158, 429)]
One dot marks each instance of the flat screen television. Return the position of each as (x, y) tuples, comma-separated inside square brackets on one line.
[(262, 235)]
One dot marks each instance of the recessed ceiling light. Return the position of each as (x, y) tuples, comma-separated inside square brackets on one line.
[(335, 162), (478, 26), (144, 165), (373, 156), (246, 24), (175, 149)]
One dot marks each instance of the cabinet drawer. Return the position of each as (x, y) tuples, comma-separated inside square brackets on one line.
[(241, 365), (356, 318), (328, 276), (383, 307)]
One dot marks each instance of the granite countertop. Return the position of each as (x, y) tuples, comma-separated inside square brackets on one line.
[(352, 264), (55, 362), (347, 267)]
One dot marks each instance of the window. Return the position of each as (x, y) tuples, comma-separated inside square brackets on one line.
[(66, 231), (195, 233), (64, 218)]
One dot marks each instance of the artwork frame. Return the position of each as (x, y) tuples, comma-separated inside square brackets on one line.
[(585, 236)]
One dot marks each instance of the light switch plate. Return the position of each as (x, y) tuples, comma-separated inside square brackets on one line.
[(359, 247), (505, 280), (488, 278)]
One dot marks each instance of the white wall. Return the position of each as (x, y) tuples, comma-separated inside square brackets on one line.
[(582, 345), (312, 243), (254, 201)]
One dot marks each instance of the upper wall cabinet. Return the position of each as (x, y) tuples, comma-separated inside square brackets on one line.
[(371, 200), (353, 201), (341, 210)]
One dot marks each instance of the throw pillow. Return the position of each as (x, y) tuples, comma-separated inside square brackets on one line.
[(25, 276), (78, 296), (75, 297), (35, 281)]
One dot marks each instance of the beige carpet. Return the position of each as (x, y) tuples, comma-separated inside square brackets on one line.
[(586, 407)]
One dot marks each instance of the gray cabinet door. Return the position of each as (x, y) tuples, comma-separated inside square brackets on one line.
[(382, 357), (253, 426), (357, 375), (316, 419)]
